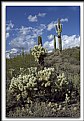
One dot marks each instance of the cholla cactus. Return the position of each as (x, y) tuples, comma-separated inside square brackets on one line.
[(39, 40), (61, 81), (67, 98), (25, 84), (39, 52), (22, 85), (32, 70), (61, 87), (44, 76)]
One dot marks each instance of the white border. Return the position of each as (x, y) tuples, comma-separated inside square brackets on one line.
[(4, 4)]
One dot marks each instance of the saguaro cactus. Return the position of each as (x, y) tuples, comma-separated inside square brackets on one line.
[(54, 43), (59, 30), (22, 51), (39, 40), (41, 58)]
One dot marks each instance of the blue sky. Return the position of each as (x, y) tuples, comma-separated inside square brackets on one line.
[(25, 23)]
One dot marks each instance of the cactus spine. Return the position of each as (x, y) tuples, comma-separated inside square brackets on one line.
[(54, 43), (59, 30), (39, 40)]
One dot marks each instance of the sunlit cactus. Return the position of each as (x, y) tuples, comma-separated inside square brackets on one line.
[(54, 43), (58, 31), (39, 40), (25, 84), (39, 53)]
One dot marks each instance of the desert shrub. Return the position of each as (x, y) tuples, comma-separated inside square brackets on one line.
[(11, 101), (62, 87), (19, 62), (75, 80), (46, 110), (74, 61), (76, 83)]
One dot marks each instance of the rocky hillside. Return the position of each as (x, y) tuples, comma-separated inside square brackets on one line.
[(68, 62)]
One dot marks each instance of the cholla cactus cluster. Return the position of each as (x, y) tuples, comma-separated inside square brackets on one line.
[(37, 51), (21, 85), (44, 76), (31, 81), (26, 83), (61, 81)]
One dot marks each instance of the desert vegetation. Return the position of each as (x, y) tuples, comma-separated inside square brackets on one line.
[(42, 84)]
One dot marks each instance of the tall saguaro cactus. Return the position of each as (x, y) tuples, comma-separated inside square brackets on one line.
[(39, 40), (54, 43), (59, 30)]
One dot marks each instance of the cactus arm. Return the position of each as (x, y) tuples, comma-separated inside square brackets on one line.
[(54, 43)]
